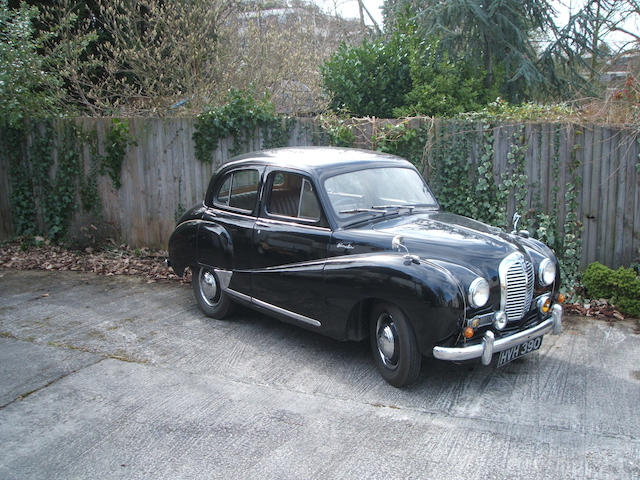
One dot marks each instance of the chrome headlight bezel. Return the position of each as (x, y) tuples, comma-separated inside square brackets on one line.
[(546, 272), (478, 292)]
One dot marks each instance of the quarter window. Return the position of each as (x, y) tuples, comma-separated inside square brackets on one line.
[(239, 190), (293, 196)]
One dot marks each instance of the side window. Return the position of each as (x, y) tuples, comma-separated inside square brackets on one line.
[(244, 189), (239, 190), (293, 196), (309, 206)]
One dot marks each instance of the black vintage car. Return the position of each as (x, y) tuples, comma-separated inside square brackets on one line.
[(352, 244)]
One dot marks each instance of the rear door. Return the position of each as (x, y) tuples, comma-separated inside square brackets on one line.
[(225, 235)]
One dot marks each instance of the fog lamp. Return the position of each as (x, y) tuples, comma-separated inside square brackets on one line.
[(500, 320), (468, 332), (544, 304)]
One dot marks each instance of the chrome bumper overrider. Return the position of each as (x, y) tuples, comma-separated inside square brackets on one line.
[(490, 345)]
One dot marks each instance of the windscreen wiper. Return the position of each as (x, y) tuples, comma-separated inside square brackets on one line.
[(364, 210), (398, 207)]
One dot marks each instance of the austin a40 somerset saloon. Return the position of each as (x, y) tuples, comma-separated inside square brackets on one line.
[(352, 244)]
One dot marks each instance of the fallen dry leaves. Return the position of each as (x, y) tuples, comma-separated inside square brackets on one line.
[(114, 261), (595, 308)]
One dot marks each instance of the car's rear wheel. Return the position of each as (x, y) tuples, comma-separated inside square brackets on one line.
[(394, 346), (212, 299)]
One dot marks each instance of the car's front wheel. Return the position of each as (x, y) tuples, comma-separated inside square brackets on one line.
[(393, 344), (212, 299)]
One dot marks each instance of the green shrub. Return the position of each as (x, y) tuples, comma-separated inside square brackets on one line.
[(597, 281), (621, 286), (370, 79)]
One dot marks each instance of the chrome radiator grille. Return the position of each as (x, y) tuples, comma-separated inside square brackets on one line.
[(516, 282)]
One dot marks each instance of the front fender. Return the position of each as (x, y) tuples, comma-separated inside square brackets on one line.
[(426, 292)]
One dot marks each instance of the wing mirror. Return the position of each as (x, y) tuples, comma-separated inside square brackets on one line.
[(397, 244)]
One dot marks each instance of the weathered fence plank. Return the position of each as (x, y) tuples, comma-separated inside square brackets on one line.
[(585, 200)]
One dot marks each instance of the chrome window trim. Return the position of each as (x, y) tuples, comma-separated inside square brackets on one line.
[(232, 174), (300, 199), (298, 218), (295, 223)]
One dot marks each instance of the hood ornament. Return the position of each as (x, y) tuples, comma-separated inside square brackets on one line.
[(522, 233), (516, 219)]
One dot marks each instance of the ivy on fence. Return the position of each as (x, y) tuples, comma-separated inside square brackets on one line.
[(240, 118), (47, 176)]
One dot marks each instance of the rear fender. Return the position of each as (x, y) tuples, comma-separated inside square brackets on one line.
[(182, 246)]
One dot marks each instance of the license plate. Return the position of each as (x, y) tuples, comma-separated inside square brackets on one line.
[(518, 351)]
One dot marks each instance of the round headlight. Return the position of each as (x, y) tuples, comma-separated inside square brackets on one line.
[(479, 292), (546, 272)]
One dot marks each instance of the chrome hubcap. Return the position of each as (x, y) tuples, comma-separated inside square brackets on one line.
[(208, 287), (386, 339), (385, 342)]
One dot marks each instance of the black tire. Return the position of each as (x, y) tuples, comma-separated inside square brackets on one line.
[(393, 345), (212, 300)]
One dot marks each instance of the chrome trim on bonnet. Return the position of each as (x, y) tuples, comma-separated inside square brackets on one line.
[(489, 346)]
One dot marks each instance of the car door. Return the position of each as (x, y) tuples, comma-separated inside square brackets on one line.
[(291, 237), (225, 234)]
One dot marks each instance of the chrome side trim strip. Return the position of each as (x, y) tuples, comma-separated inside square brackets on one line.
[(282, 311), (239, 295), (287, 313)]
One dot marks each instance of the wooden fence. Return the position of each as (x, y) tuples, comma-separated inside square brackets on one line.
[(161, 177)]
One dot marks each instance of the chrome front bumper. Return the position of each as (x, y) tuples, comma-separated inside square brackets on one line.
[(490, 345)]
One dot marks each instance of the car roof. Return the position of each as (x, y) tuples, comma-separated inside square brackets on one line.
[(320, 161)]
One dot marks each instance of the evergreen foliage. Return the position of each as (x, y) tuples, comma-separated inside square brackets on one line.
[(621, 286), (29, 84), (516, 43), (370, 79), (403, 76)]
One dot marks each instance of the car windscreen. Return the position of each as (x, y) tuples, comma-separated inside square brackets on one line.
[(374, 190)]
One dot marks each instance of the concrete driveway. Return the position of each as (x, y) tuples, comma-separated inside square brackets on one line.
[(105, 377)]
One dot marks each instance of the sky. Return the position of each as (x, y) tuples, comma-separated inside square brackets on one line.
[(349, 9)]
